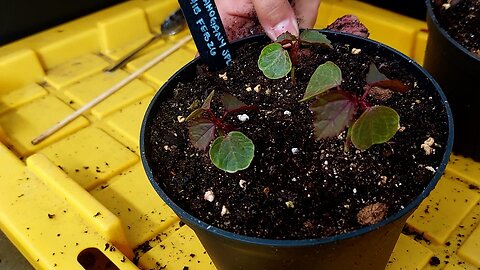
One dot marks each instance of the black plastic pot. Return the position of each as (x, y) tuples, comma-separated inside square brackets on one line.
[(367, 248), (457, 71)]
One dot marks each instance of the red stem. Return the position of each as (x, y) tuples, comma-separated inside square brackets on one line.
[(294, 52), (367, 91), (362, 101), (219, 123)]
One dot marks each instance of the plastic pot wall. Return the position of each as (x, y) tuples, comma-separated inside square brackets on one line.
[(367, 248), (457, 71)]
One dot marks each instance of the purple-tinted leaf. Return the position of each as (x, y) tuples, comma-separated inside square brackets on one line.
[(378, 79), (309, 36), (326, 76), (394, 85), (349, 24), (332, 113), (232, 103), (376, 125), (286, 37), (201, 132)]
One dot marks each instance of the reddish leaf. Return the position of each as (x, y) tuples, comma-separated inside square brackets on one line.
[(394, 85), (285, 38), (232, 103), (378, 79), (332, 113), (349, 24), (201, 132)]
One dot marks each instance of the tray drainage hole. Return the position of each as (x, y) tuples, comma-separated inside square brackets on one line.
[(93, 259)]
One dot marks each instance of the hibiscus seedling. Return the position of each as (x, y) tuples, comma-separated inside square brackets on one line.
[(335, 109), (232, 150), (279, 58)]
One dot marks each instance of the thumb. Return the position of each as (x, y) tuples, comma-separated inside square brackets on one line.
[(276, 17)]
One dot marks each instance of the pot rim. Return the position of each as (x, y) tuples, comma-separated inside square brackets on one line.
[(433, 17), (190, 219)]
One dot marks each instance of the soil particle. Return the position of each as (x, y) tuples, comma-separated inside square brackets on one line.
[(380, 93), (242, 183), (473, 187), (427, 146), (372, 214), (356, 51), (209, 196), (224, 211), (383, 180), (434, 261)]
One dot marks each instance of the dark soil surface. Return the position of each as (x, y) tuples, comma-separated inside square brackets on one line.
[(461, 19), (317, 191)]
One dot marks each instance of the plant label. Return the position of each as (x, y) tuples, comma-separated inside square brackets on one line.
[(208, 32)]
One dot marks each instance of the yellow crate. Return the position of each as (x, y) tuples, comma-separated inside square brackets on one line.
[(83, 193)]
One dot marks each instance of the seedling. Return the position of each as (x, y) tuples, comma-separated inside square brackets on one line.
[(335, 109), (232, 150), (279, 58)]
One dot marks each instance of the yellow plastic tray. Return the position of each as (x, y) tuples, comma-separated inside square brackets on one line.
[(80, 199)]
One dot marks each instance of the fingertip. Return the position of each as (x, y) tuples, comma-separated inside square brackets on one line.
[(307, 12), (276, 17), (287, 25)]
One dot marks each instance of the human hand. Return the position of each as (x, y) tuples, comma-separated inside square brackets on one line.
[(246, 17)]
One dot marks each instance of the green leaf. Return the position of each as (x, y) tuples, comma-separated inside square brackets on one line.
[(232, 103), (232, 152), (310, 36), (378, 79), (274, 61), (326, 76), (194, 114), (376, 125), (332, 113), (201, 132), (205, 106)]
